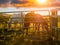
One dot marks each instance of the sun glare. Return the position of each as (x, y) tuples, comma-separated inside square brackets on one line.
[(41, 1)]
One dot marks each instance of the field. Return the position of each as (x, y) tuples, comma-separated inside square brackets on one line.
[(59, 21), (16, 36)]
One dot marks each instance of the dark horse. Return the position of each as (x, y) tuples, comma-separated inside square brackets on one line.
[(39, 20), (29, 17), (36, 19)]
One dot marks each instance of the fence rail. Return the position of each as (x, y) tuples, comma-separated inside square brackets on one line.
[(13, 29)]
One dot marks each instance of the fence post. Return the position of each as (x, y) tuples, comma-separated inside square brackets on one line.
[(54, 24)]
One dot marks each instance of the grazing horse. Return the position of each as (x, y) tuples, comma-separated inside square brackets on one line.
[(36, 19), (44, 24), (29, 17), (44, 33), (39, 20)]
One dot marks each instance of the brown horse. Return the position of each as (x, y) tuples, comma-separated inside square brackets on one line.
[(36, 19), (29, 17), (39, 20)]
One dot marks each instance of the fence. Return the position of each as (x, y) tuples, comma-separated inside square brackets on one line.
[(13, 29)]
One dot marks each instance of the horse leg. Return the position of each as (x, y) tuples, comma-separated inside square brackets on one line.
[(46, 26), (36, 26), (26, 26), (42, 26)]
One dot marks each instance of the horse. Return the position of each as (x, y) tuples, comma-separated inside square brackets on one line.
[(36, 19), (39, 20), (29, 17)]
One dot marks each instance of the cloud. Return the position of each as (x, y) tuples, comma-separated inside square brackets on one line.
[(18, 1), (57, 0), (3, 1), (13, 1)]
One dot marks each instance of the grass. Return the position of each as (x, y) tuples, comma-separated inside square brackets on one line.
[(17, 27)]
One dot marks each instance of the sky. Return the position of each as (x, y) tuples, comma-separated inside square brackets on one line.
[(7, 9), (23, 2), (17, 1), (13, 1)]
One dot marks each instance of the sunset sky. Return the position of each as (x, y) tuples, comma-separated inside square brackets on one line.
[(7, 7), (17, 1)]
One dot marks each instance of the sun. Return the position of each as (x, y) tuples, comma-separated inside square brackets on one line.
[(41, 1)]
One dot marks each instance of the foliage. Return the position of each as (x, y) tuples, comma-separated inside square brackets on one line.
[(3, 18)]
